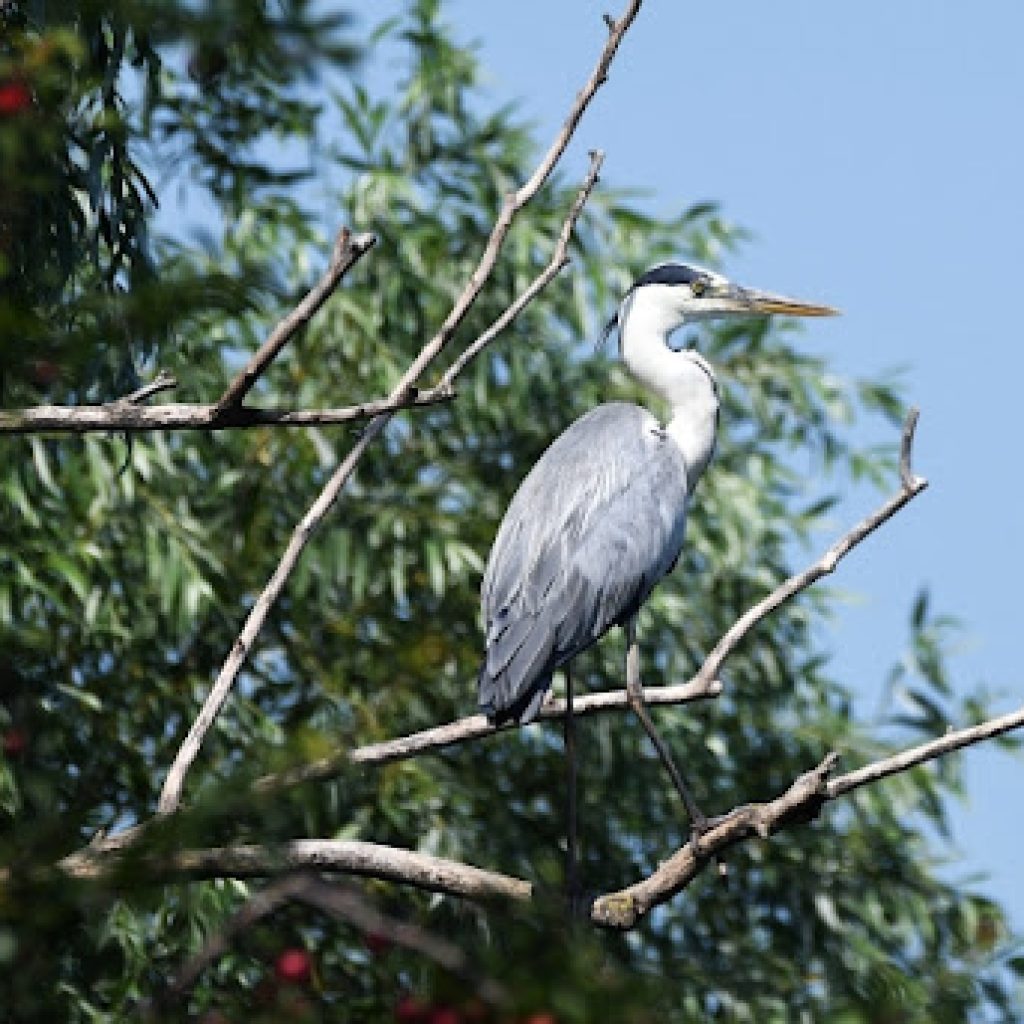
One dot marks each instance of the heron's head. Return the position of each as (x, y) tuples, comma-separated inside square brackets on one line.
[(671, 294)]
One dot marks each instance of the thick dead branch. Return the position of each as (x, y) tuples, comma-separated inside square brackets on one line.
[(624, 909), (348, 249), (171, 792), (347, 856), (799, 804)]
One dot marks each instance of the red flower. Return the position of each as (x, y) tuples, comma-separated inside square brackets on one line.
[(14, 98)]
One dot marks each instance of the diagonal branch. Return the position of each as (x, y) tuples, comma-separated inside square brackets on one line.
[(910, 487), (799, 804), (344, 903), (473, 727), (348, 250), (171, 793), (559, 259), (702, 686)]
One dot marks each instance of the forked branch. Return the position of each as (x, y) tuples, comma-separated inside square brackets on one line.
[(171, 792)]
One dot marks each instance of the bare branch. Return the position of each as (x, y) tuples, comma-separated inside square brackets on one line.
[(926, 752), (474, 727), (170, 795), (702, 686), (163, 381), (171, 792), (346, 904), (799, 804), (802, 800), (907, 477), (348, 250), (911, 487), (123, 417), (349, 856), (559, 259)]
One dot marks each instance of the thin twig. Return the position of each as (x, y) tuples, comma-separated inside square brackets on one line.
[(171, 792), (911, 487), (559, 259), (163, 381), (907, 477), (926, 752), (348, 250)]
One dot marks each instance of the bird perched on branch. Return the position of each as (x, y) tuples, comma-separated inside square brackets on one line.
[(600, 518)]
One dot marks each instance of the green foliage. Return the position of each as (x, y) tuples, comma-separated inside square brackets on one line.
[(121, 590), (108, 88)]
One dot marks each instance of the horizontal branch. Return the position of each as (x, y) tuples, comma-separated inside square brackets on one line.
[(124, 416), (348, 856), (624, 909)]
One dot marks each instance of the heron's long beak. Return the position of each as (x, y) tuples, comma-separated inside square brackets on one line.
[(763, 303)]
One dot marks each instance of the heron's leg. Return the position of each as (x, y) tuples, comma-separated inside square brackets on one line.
[(635, 694), (572, 867)]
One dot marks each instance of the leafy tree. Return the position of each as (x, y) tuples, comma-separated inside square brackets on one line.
[(126, 569)]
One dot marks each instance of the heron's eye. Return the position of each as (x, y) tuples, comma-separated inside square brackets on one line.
[(698, 287)]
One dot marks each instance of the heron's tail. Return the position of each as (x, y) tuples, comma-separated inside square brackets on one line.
[(501, 705)]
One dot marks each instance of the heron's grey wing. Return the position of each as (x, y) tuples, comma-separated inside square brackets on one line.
[(596, 523)]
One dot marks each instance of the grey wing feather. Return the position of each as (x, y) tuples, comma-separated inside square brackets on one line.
[(596, 523)]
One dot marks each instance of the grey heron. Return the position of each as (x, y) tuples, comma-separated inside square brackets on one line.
[(600, 518)]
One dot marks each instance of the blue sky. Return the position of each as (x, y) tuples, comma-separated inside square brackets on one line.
[(875, 151)]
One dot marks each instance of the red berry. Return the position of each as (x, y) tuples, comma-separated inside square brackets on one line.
[(409, 1010), (43, 372), (444, 1015), (15, 742), (293, 966), (541, 1017), (377, 944), (14, 98)]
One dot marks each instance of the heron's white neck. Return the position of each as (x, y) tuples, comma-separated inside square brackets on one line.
[(644, 328)]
